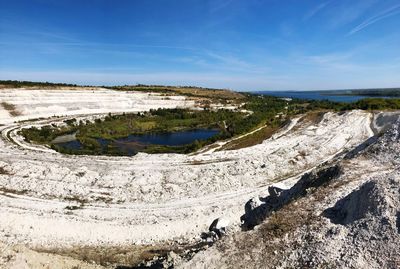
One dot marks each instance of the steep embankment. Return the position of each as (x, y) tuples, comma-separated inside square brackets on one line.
[(343, 215), (52, 200), (23, 104), (151, 198)]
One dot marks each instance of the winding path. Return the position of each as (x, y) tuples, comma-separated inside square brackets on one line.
[(49, 199)]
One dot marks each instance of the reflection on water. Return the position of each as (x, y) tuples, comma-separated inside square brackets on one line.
[(135, 143)]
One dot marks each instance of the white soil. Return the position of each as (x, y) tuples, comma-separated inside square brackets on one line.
[(144, 199)]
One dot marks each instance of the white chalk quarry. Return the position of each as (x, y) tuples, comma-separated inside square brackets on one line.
[(49, 199)]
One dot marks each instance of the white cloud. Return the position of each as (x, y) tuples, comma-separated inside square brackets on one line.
[(348, 11), (394, 10), (318, 79), (315, 10), (215, 80), (218, 5)]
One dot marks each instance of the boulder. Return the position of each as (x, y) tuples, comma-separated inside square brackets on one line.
[(219, 226)]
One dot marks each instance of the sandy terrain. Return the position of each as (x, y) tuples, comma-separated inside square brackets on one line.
[(348, 219), (48, 199)]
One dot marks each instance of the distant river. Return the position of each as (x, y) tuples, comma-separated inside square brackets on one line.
[(311, 95)]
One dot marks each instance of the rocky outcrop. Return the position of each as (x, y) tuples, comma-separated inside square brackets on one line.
[(366, 231), (258, 209), (352, 221)]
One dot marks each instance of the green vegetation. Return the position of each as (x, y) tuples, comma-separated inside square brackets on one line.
[(157, 121), (389, 92), (93, 135), (21, 83), (100, 137), (363, 104), (46, 134), (374, 104)]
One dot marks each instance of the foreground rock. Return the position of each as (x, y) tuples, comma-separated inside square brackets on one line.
[(256, 210), (352, 220)]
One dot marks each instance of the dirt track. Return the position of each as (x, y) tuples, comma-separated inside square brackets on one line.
[(52, 199)]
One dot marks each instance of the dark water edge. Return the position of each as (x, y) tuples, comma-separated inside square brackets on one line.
[(316, 95), (133, 144)]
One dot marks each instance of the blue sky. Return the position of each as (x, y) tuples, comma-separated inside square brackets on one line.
[(237, 44)]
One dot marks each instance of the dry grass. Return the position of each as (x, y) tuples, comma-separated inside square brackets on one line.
[(196, 162), (12, 191), (189, 91), (3, 171), (311, 118), (76, 198), (275, 237), (105, 256), (12, 109), (210, 93), (314, 117), (264, 245), (250, 140), (119, 256), (287, 219)]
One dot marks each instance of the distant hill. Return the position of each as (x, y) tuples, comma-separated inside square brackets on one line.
[(192, 91), (184, 90), (21, 83)]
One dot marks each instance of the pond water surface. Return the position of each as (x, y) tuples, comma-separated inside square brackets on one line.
[(132, 144)]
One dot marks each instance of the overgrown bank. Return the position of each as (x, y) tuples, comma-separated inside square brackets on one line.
[(102, 137), (229, 123)]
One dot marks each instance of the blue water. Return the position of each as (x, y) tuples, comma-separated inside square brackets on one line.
[(311, 95), (170, 139), (134, 143)]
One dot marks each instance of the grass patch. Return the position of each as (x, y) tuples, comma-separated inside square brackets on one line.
[(12, 109), (106, 256), (251, 140), (215, 94), (287, 220), (313, 117), (123, 256)]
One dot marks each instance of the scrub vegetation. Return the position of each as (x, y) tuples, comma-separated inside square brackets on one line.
[(229, 123), (21, 83), (99, 137), (10, 108), (387, 92), (197, 92)]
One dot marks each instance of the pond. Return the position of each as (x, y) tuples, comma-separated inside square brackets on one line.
[(132, 144)]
